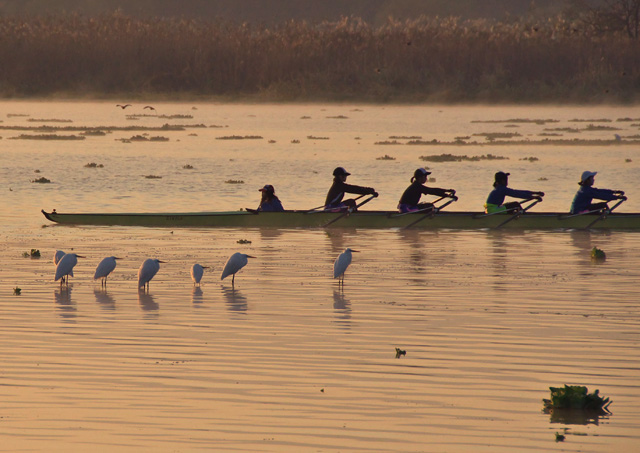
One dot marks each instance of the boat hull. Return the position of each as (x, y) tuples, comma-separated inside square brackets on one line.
[(360, 219)]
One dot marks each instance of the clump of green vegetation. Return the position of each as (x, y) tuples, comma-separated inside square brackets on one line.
[(496, 135), (239, 137), (188, 167), (575, 397), (153, 177), (17, 291), (400, 352), (628, 160), (539, 122), (305, 117), (601, 120), (385, 157), (34, 253), (571, 130), (405, 137), (453, 158), (41, 180), (530, 159), (313, 137), (595, 127), (542, 178), (244, 241), (338, 117), (295, 142), (387, 142), (597, 254), (94, 165), (559, 437), (48, 120), (234, 181), (47, 137), (93, 133)]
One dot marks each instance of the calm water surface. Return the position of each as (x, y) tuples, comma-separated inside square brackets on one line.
[(287, 361)]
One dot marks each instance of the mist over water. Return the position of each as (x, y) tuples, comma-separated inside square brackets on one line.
[(286, 360)]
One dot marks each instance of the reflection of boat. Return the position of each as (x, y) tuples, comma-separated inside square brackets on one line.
[(360, 219)]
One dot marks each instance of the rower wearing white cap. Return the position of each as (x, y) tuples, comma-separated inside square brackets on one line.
[(582, 202), (269, 201), (334, 201), (410, 200), (500, 190)]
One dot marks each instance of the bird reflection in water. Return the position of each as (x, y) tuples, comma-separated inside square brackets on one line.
[(342, 308), (196, 295), (146, 301), (104, 299), (236, 302), (67, 309)]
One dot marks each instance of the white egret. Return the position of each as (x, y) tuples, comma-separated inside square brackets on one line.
[(147, 270), (56, 259), (342, 263), (196, 273), (235, 262), (105, 267), (65, 266)]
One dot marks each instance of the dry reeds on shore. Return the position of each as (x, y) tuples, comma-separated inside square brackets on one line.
[(428, 59)]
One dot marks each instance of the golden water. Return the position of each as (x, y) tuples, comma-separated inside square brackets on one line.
[(287, 360)]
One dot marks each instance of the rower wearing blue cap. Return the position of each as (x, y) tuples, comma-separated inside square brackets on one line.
[(410, 200), (495, 201), (582, 202), (334, 201)]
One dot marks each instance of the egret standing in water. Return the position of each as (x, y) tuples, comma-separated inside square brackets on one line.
[(196, 273), (56, 259), (235, 262), (105, 267), (65, 267), (147, 271), (341, 264)]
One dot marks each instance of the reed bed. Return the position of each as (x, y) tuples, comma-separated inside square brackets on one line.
[(427, 59)]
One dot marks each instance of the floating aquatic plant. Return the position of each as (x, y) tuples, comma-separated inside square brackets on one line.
[(385, 157), (239, 137), (244, 241), (597, 254), (295, 142), (48, 120), (530, 159), (628, 160), (497, 135), (539, 122), (17, 291), (234, 181), (387, 142), (47, 137), (455, 158), (34, 253), (575, 397), (153, 177), (313, 137), (188, 167), (338, 117), (400, 352), (93, 133), (405, 137), (41, 180), (93, 165)]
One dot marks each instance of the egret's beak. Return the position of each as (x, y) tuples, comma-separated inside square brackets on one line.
[(161, 261), (205, 267), (357, 251), (117, 258), (249, 256), (78, 256)]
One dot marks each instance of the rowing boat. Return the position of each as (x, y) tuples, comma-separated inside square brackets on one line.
[(360, 219)]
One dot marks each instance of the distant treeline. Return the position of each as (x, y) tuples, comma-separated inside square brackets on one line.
[(423, 60)]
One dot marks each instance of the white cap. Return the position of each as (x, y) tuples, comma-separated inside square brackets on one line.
[(587, 174)]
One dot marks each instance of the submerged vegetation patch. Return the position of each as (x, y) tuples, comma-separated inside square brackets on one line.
[(47, 137), (234, 181), (385, 157), (41, 180), (94, 165), (239, 137)]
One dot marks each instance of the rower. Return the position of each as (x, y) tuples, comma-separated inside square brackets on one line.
[(410, 200), (335, 202), (495, 199), (582, 202), (269, 201)]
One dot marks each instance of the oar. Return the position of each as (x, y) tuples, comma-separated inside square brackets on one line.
[(432, 212), (606, 213), (324, 206), (350, 210), (520, 212)]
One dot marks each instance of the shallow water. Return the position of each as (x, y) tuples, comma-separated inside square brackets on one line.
[(287, 360)]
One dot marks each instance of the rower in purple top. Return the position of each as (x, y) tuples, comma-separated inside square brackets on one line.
[(410, 200), (335, 202), (582, 202), (496, 198)]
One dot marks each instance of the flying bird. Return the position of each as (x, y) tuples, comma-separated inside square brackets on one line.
[(147, 271), (105, 268), (341, 264), (148, 107), (235, 262), (196, 273), (65, 267), (123, 106)]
